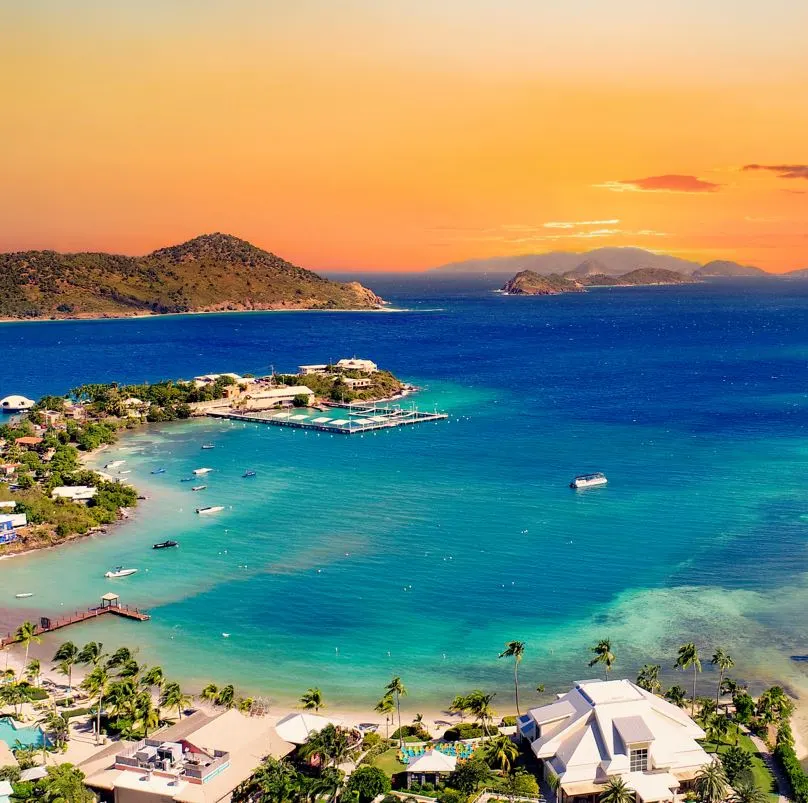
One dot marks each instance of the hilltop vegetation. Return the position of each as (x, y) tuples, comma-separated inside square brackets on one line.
[(527, 282), (214, 272)]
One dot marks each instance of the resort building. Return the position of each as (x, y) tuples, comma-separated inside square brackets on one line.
[(76, 493), (353, 364), (605, 729), (29, 441), (200, 759), (430, 767), (358, 384), (15, 404), (298, 728), (320, 368), (280, 395)]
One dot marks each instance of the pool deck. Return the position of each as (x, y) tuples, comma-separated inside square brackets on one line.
[(340, 420)]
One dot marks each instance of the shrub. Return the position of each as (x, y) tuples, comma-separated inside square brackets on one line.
[(785, 755), (508, 721), (417, 732), (466, 730), (449, 795), (367, 783)]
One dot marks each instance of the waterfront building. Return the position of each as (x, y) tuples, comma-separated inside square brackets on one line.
[(200, 759), (298, 728), (15, 404), (282, 394), (357, 384), (320, 368), (605, 729), (430, 767), (353, 364), (76, 493)]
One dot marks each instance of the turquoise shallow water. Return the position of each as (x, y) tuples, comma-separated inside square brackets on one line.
[(420, 551)]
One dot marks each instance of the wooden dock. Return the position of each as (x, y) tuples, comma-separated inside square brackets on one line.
[(48, 625)]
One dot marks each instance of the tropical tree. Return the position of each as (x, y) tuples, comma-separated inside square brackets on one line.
[(737, 764), (603, 655), (367, 783), (617, 791), (717, 727), (386, 706), (129, 669), (64, 783), (173, 698), (479, 706), (275, 780), (468, 776), (57, 726), (676, 695), (146, 716), (711, 783), (326, 786), (459, 705), (312, 699), (723, 660), (33, 671), (26, 634), (97, 684), (689, 656), (500, 752), (747, 791), (515, 650), (90, 653), (152, 677), (773, 705), (396, 687), (226, 696), (521, 784), (66, 656), (648, 678), (331, 745), (120, 657), (210, 693)]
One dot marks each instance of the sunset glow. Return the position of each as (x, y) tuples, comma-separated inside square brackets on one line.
[(388, 135)]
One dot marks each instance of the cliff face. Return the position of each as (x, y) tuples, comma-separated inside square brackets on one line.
[(214, 272)]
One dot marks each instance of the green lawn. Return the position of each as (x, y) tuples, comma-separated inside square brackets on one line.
[(388, 763), (760, 772)]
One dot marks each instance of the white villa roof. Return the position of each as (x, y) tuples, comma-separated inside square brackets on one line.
[(433, 761), (652, 786), (284, 392), (586, 735), (5, 789), (33, 774), (16, 403), (297, 728)]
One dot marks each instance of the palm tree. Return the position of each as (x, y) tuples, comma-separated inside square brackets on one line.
[(57, 726), (226, 696), (478, 704), (717, 727), (396, 687), (386, 706), (147, 717), (689, 656), (153, 676), (723, 660), (26, 634), (711, 783), (500, 752), (327, 787), (459, 705), (33, 671), (120, 657), (515, 650), (67, 655), (603, 655), (210, 693), (747, 791), (773, 705), (97, 685), (173, 697), (676, 695), (90, 653), (648, 678), (312, 699), (129, 669), (617, 791)]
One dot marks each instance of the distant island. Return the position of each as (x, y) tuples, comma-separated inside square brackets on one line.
[(590, 274), (611, 261), (211, 273)]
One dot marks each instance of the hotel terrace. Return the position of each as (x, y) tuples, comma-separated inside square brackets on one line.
[(605, 729)]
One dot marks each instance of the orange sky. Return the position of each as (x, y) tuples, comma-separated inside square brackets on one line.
[(383, 134)]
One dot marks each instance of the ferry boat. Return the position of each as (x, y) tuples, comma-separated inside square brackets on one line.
[(199, 487), (589, 480), (200, 471), (248, 474), (119, 571), (209, 509), (165, 544)]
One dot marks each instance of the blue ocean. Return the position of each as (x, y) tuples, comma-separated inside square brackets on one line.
[(420, 551)]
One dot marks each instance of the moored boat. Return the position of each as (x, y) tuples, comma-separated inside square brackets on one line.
[(589, 480), (208, 446), (248, 474), (159, 471), (200, 471), (209, 509), (119, 571), (165, 544), (25, 595), (199, 487)]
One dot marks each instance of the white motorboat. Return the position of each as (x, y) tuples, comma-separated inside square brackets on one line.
[(209, 509), (119, 571), (24, 596), (200, 471), (589, 481)]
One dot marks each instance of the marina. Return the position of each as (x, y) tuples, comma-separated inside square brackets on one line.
[(342, 419)]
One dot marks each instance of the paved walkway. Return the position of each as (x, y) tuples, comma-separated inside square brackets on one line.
[(783, 786)]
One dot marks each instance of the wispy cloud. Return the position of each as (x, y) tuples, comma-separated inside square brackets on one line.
[(523, 233), (574, 224), (782, 171), (667, 183)]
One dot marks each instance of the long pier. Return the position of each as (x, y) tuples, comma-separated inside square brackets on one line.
[(48, 625), (341, 419)]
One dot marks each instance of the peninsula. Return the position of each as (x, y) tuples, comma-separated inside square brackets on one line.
[(530, 283), (211, 273)]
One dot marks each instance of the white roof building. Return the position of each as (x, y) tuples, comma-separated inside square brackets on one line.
[(15, 404), (430, 767), (602, 729), (5, 791), (353, 364), (297, 728), (78, 493)]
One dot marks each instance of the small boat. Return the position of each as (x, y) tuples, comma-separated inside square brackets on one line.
[(25, 595), (125, 472), (589, 480), (208, 446), (209, 509), (248, 474), (115, 464), (225, 635), (119, 571), (165, 544), (187, 479), (199, 471), (199, 487), (159, 471)]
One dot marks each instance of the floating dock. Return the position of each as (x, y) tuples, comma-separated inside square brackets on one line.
[(109, 604), (339, 419)]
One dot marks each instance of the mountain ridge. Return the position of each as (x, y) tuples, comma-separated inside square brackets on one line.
[(209, 273)]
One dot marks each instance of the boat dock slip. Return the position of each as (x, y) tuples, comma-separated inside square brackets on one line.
[(109, 604), (342, 419)]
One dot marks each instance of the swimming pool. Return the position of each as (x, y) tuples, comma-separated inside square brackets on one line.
[(11, 732)]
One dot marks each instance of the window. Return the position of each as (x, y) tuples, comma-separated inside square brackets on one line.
[(638, 760)]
